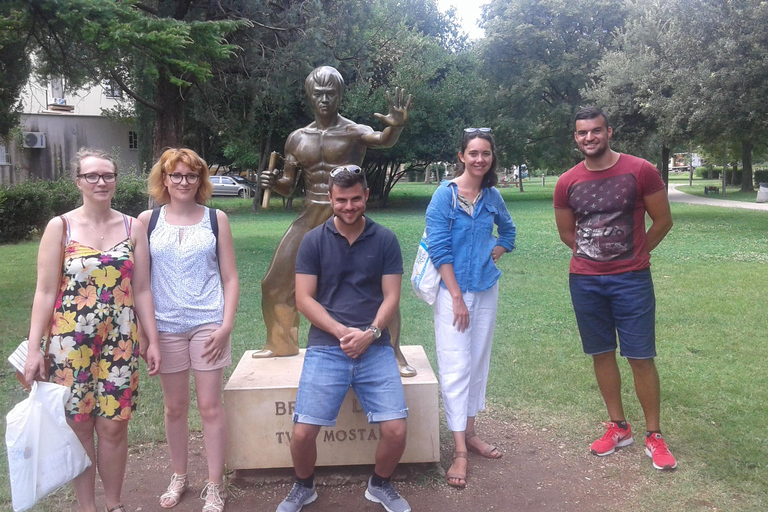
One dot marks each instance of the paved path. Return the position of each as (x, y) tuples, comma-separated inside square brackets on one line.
[(676, 196)]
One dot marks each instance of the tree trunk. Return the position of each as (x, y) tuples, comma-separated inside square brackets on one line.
[(746, 164), (665, 165), (169, 121), (733, 172)]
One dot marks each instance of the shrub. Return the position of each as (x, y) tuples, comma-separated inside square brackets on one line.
[(729, 176), (131, 194), (63, 195), (761, 176), (23, 209), (707, 172), (26, 208)]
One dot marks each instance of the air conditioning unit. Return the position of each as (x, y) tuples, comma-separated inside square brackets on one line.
[(33, 140)]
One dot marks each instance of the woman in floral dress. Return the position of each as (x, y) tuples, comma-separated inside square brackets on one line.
[(103, 286)]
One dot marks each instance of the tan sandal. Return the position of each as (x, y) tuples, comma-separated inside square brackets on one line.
[(214, 496), (457, 475), (175, 490), (116, 508), (487, 452)]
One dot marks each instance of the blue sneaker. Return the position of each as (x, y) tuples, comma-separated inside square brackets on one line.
[(389, 498), (297, 498)]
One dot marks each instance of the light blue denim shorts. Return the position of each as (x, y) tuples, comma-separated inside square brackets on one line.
[(327, 375)]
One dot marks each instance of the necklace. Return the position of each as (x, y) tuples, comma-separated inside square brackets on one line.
[(93, 228)]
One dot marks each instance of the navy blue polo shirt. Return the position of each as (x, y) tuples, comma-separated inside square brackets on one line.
[(349, 276)]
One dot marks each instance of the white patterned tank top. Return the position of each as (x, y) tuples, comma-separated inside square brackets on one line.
[(186, 284)]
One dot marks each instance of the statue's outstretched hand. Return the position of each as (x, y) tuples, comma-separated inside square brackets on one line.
[(398, 109)]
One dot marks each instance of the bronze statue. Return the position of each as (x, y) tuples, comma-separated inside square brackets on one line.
[(330, 141)]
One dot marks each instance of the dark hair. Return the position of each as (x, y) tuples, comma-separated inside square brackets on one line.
[(84, 153), (490, 179), (347, 179), (324, 76), (591, 113)]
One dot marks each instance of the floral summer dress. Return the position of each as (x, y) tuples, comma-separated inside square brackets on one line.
[(94, 337)]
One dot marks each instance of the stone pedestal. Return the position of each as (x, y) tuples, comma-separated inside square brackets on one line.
[(259, 399)]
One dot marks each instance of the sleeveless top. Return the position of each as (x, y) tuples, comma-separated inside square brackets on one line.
[(186, 284), (93, 334)]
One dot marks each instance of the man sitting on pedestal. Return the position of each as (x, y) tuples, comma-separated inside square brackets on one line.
[(348, 276)]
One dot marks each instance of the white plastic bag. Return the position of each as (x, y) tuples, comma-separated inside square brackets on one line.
[(425, 279), (43, 451)]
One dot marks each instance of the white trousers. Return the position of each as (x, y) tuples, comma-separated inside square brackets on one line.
[(463, 358)]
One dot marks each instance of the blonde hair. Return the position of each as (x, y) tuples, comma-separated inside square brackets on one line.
[(167, 164), (84, 153)]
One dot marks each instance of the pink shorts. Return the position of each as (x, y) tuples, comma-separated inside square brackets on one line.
[(184, 350)]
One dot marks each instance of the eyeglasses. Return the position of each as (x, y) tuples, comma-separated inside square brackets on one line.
[(475, 130), (94, 178), (177, 178), (353, 169)]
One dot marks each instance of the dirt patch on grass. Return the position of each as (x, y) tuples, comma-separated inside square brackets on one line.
[(537, 472)]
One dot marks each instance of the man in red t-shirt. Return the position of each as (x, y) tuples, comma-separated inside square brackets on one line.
[(600, 207)]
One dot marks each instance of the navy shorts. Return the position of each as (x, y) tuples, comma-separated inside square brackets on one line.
[(623, 303)]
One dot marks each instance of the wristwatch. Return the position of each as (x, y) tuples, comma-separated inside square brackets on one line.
[(376, 332)]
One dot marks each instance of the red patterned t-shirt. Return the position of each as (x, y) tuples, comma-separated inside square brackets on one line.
[(610, 214)]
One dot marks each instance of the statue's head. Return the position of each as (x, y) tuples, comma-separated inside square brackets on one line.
[(325, 77)]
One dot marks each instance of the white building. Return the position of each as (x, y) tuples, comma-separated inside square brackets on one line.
[(55, 123)]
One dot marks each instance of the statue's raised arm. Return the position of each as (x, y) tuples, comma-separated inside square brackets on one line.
[(394, 120)]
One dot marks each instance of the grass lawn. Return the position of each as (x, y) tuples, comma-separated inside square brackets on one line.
[(711, 328)]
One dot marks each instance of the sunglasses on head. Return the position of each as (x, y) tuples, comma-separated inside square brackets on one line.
[(352, 169), (475, 130)]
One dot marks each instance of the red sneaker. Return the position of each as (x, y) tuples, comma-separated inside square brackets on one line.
[(614, 437), (656, 449)]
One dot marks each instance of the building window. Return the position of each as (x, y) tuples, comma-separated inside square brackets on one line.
[(133, 140), (5, 157), (112, 90)]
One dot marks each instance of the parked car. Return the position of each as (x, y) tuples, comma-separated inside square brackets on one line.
[(231, 186), (248, 183)]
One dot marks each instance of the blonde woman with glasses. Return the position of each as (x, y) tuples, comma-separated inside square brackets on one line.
[(91, 303), (195, 285)]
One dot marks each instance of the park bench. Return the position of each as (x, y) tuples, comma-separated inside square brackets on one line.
[(714, 190)]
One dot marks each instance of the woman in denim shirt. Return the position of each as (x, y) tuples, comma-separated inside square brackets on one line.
[(460, 222)]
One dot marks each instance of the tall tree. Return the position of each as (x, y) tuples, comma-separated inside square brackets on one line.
[(538, 55), (14, 67), (637, 83), (170, 44), (252, 104), (695, 71), (730, 63)]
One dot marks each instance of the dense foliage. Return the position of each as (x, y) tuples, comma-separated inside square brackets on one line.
[(226, 77), (691, 72), (26, 208), (154, 51), (538, 55)]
